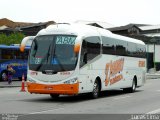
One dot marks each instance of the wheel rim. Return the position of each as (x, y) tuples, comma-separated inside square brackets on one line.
[(95, 89), (134, 85)]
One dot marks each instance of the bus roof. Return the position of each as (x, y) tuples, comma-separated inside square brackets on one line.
[(12, 47), (84, 31)]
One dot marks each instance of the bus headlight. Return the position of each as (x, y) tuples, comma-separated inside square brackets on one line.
[(30, 80), (71, 81)]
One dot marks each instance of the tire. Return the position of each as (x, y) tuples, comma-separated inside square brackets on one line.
[(131, 89), (3, 76), (54, 96), (96, 90)]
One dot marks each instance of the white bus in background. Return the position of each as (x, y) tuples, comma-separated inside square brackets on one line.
[(73, 59)]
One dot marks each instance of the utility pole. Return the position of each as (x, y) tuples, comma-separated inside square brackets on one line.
[(153, 40)]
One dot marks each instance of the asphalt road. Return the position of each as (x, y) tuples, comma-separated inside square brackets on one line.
[(146, 100)]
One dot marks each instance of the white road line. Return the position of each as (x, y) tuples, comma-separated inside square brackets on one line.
[(117, 98), (40, 112), (154, 111)]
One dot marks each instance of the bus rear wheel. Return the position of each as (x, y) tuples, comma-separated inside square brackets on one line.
[(133, 88), (54, 96)]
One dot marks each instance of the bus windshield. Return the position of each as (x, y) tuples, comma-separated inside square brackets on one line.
[(53, 52)]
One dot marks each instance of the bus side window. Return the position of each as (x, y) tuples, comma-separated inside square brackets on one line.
[(90, 49), (121, 47), (141, 51), (132, 49), (108, 46), (6, 54)]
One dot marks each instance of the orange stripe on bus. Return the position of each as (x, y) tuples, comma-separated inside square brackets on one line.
[(68, 89), (141, 64)]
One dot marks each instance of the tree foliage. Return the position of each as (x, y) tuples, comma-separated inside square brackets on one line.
[(13, 38)]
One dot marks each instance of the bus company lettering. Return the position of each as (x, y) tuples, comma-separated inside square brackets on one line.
[(65, 40), (64, 73), (113, 71), (13, 64), (141, 64)]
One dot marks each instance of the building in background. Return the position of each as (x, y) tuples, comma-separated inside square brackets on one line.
[(6, 30), (32, 30), (150, 34), (28, 29), (95, 23)]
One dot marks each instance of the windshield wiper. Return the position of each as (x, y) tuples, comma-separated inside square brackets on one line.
[(48, 53), (49, 72), (54, 56)]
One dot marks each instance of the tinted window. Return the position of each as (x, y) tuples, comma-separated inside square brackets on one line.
[(90, 48), (53, 52), (132, 49), (141, 51), (14, 54), (108, 45), (41, 50), (121, 47)]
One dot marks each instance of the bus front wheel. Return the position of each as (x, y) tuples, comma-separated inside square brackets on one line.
[(96, 89)]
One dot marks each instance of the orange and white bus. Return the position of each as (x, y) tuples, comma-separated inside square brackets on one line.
[(73, 59)]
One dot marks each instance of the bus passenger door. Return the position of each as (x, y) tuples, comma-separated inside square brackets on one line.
[(83, 72), (89, 53)]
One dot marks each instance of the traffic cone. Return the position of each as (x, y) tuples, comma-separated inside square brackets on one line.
[(23, 84)]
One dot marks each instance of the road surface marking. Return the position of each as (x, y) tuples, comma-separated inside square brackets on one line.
[(154, 111), (122, 97), (40, 112)]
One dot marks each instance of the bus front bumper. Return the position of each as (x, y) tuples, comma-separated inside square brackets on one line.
[(68, 89)]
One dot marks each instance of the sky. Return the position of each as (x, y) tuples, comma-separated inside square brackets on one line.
[(115, 12)]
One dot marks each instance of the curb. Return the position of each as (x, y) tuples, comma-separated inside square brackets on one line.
[(14, 84), (153, 76), (8, 86)]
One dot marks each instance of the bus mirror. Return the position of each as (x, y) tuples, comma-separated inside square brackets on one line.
[(76, 48), (24, 42), (22, 47)]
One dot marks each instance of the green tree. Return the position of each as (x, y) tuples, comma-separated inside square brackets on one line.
[(13, 38)]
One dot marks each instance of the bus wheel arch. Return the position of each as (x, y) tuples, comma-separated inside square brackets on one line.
[(133, 87), (135, 78), (96, 87), (99, 82)]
